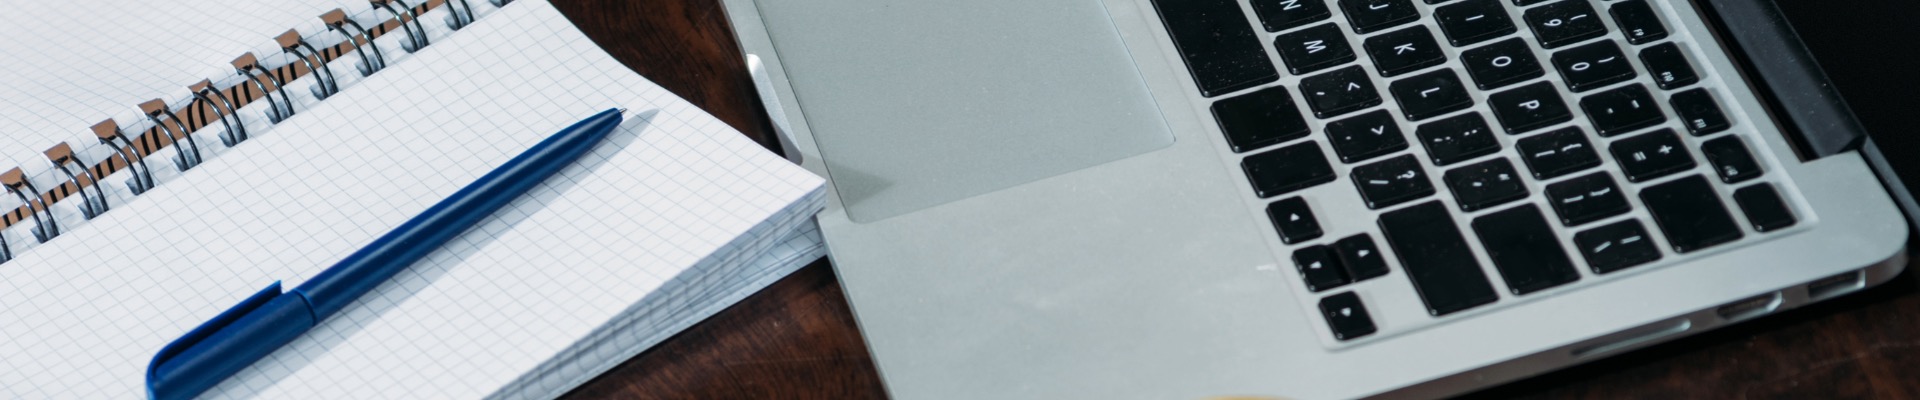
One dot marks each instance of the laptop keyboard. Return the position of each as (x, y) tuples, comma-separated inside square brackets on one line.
[(1522, 157)]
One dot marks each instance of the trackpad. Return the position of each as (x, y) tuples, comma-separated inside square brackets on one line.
[(920, 103)]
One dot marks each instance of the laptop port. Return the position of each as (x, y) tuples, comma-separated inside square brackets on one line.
[(1835, 285), (1750, 307)]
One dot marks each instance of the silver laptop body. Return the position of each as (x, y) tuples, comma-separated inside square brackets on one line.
[(1037, 199)]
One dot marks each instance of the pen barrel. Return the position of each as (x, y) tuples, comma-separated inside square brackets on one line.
[(270, 319), (360, 272)]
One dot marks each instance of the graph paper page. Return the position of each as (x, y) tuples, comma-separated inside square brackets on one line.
[(85, 312), (70, 64)]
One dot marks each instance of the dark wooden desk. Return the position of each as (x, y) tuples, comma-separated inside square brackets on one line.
[(797, 339)]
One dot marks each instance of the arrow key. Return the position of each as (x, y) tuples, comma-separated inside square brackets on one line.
[(1318, 268), (1294, 220), (1346, 316), (1362, 259)]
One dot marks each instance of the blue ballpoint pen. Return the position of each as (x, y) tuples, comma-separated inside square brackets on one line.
[(269, 319)]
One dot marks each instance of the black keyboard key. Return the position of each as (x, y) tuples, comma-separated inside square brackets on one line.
[(1529, 107), (1651, 155), (1404, 51), (1764, 208), (1280, 15), (1699, 112), (1346, 316), (1730, 159), (1362, 259), (1340, 91), (1503, 63), (1369, 16), (1638, 21), (1313, 49), (1365, 136), (1524, 249), (1436, 258), (1621, 110), (1222, 52), (1473, 21), (1690, 213), (1392, 181), (1458, 138), (1524, 3), (1586, 199), (1564, 22), (1287, 169), (1294, 220), (1669, 66), (1318, 268), (1616, 246), (1593, 66), (1260, 119), (1485, 184), (1430, 94), (1557, 153)]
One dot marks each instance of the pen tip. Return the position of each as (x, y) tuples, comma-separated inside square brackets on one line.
[(623, 111)]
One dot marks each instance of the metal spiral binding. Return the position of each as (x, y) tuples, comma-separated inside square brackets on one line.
[(91, 206), (224, 105), (109, 133), (16, 182), (245, 65), (292, 43), (416, 33), (457, 17), (337, 20), (178, 132), (236, 131)]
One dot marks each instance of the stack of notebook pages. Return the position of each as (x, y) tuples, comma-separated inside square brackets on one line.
[(160, 205)]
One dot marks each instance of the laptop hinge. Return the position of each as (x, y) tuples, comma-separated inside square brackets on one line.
[(1816, 119), (1796, 91)]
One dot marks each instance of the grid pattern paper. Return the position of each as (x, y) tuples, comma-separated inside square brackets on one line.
[(78, 63), (672, 189), (70, 64)]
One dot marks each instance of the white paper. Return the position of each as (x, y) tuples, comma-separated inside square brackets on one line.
[(83, 314), (70, 64)]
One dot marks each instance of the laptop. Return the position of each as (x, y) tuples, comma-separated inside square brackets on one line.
[(1313, 198)]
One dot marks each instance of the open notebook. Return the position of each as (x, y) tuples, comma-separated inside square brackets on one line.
[(673, 218)]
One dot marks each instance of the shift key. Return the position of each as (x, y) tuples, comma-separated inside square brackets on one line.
[(1436, 258), (1218, 44)]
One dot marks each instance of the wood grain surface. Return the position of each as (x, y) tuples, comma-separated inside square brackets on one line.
[(797, 338)]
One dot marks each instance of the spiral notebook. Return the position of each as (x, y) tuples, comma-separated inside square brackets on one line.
[(142, 224)]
